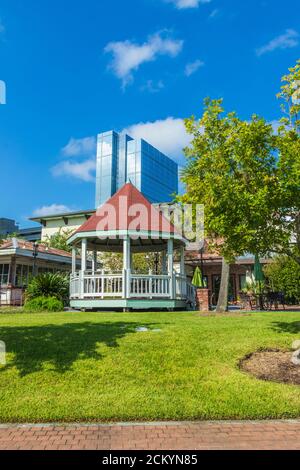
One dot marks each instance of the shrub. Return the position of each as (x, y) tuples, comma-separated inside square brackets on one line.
[(284, 276), (49, 285), (44, 304)]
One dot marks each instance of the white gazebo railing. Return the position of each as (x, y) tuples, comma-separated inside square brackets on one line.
[(150, 286), (89, 285)]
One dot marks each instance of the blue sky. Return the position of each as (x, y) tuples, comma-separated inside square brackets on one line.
[(75, 68)]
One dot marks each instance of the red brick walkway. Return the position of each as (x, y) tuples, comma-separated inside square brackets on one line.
[(156, 436)]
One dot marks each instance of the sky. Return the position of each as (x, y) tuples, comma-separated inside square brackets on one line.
[(72, 69)]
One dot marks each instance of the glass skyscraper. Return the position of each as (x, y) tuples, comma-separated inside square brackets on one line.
[(121, 158)]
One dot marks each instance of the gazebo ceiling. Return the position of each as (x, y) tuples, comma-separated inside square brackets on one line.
[(138, 245), (127, 213)]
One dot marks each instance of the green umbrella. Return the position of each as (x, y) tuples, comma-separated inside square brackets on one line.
[(258, 272), (259, 278), (197, 279)]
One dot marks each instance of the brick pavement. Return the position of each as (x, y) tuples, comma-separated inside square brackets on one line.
[(156, 436)]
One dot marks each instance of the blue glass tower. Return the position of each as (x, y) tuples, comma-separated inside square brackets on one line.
[(121, 158)]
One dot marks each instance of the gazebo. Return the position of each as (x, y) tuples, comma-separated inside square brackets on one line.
[(128, 223)]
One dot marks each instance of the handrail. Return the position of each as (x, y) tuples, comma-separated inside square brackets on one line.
[(103, 285)]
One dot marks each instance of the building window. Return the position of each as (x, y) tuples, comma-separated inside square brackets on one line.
[(4, 273), (23, 275), (243, 281)]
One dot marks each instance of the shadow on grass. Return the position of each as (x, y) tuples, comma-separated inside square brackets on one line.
[(60, 345), (285, 327)]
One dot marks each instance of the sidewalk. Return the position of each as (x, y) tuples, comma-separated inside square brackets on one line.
[(155, 436)]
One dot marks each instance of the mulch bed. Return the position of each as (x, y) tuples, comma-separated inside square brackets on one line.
[(272, 365)]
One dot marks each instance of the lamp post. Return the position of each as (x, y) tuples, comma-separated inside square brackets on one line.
[(35, 253)]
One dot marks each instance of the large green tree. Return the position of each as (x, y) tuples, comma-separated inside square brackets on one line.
[(231, 169), (288, 144)]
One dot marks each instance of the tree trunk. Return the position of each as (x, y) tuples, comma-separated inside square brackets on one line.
[(223, 295)]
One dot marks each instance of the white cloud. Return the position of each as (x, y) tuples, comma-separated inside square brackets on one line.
[(80, 147), (285, 41), (192, 67), (275, 125), (183, 4), (51, 210), (83, 171), (153, 87), (129, 56), (168, 135)]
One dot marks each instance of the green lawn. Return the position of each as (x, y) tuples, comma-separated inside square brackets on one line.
[(97, 367)]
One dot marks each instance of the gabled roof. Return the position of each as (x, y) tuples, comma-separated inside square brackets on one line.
[(127, 210), (18, 244)]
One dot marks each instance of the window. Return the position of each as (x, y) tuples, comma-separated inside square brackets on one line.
[(107, 145), (131, 146), (23, 275), (243, 281), (4, 272)]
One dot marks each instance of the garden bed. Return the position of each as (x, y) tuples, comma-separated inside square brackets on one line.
[(272, 365)]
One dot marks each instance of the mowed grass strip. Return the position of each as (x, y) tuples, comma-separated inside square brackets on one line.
[(97, 367)]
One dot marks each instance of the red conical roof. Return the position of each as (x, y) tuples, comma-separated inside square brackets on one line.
[(128, 209)]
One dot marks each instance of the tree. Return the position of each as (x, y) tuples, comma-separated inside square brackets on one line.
[(290, 95), (59, 240), (142, 262), (288, 143), (231, 169), (283, 275)]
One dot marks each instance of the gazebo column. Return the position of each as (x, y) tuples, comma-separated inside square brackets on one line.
[(83, 265), (171, 267), (164, 264), (94, 261), (126, 267), (183, 287), (83, 254), (73, 260), (182, 264)]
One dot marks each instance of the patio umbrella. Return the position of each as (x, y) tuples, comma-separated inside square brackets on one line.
[(197, 279), (258, 272), (259, 278)]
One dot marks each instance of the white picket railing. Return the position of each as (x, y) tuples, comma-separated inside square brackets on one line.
[(191, 294), (97, 285), (151, 286), (180, 286), (102, 285), (75, 286)]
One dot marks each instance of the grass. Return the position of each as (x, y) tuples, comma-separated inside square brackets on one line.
[(97, 367)]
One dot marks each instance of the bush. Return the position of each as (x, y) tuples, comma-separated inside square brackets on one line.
[(284, 276), (49, 285), (44, 304)]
